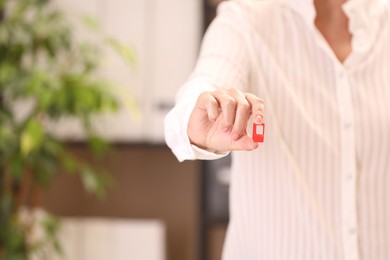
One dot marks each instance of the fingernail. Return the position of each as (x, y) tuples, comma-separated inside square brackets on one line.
[(259, 119)]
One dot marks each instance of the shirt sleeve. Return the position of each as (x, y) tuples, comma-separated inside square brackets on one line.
[(223, 60), (222, 63)]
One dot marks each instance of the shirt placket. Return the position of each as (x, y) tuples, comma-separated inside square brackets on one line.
[(348, 168)]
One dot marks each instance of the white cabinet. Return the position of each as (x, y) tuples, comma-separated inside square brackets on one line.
[(165, 35), (127, 21), (114, 239), (175, 44)]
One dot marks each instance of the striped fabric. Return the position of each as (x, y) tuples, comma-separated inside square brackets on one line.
[(319, 186)]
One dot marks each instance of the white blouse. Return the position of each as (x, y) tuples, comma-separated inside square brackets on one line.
[(318, 188)]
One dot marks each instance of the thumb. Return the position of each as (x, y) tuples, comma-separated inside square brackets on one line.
[(244, 143)]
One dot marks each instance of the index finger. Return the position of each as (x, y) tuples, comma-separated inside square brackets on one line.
[(257, 107)]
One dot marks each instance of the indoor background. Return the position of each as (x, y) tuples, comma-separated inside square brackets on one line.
[(158, 209)]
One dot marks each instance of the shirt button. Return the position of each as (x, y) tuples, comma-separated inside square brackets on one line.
[(360, 45), (349, 176), (347, 125), (352, 231)]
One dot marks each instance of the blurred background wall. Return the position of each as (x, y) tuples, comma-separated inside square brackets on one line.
[(188, 199)]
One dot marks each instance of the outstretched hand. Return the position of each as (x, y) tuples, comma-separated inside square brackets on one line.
[(219, 120)]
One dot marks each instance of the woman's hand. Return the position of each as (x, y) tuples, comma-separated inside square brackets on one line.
[(219, 120)]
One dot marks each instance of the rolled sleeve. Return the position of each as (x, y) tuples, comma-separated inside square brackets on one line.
[(176, 122)]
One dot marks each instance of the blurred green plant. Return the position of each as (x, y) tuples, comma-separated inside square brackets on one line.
[(41, 64)]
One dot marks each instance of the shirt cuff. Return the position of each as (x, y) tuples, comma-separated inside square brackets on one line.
[(207, 155), (176, 123)]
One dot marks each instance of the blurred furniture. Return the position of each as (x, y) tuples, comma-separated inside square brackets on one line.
[(215, 206), (149, 184), (215, 183), (114, 239), (165, 35)]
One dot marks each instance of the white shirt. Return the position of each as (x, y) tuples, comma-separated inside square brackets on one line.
[(319, 186)]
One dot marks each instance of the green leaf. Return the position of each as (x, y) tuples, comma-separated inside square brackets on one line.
[(36, 83), (97, 145), (129, 102), (31, 137), (51, 224), (69, 163), (90, 180), (45, 99), (7, 73), (123, 50), (16, 167), (96, 182), (91, 23), (8, 138)]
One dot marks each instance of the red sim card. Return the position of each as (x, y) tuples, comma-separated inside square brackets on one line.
[(258, 132)]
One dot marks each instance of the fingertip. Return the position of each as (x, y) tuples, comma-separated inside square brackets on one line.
[(254, 145), (250, 144), (259, 119)]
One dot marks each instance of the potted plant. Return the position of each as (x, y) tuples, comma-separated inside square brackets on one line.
[(43, 66)]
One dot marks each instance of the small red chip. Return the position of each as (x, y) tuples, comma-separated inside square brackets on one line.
[(258, 132)]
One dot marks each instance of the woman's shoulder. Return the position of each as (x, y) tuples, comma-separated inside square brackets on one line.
[(252, 12), (251, 7)]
